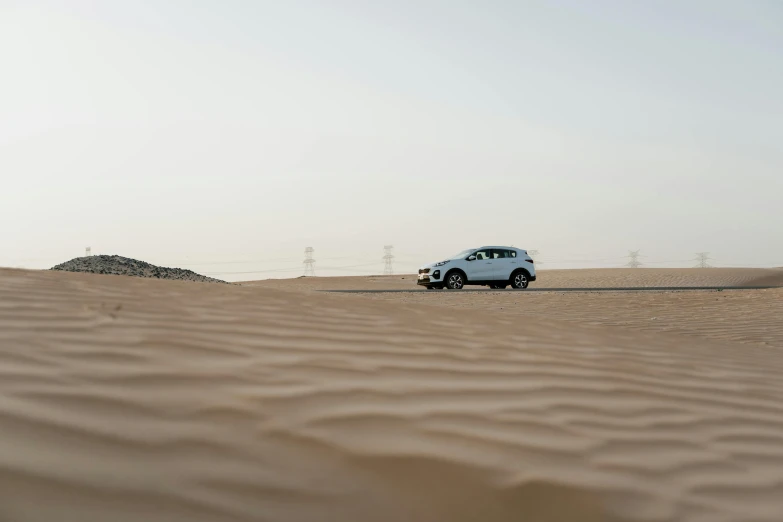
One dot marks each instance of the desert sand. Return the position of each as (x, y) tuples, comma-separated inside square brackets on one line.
[(734, 315), (130, 399), (576, 278)]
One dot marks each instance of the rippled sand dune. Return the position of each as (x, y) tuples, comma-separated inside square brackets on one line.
[(745, 316), (127, 399)]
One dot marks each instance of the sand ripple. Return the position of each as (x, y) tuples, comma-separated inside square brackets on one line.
[(127, 399)]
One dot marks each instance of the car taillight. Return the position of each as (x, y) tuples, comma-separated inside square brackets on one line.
[(529, 260)]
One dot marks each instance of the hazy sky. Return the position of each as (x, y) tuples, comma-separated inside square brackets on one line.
[(190, 132)]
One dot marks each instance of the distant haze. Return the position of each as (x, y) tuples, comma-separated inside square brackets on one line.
[(227, 136)]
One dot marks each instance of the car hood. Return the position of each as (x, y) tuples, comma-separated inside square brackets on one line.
[(432, 265)]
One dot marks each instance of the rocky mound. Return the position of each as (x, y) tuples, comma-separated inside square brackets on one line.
[(119, 265)]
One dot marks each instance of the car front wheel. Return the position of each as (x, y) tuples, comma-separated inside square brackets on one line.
[(455, 281), (519, 280)]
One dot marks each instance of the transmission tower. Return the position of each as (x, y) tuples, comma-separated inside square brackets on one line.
[(634, 262), (88, 252), (702, 258), (309, 262), (387, 260)]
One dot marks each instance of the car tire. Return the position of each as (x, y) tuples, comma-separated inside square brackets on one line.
[(519, 280), (455, 280)]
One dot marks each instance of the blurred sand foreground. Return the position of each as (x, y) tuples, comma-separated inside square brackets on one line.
[(126, 399)]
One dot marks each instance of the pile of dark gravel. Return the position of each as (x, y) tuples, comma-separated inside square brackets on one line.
[(119, 265)]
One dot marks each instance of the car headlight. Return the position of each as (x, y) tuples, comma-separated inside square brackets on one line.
[(441, 263)]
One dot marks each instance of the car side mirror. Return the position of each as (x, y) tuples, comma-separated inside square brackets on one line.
[(471, 258)]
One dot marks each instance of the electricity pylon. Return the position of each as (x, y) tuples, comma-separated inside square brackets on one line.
[(387, 260), (702, 258), (634, 262), (309, 262)]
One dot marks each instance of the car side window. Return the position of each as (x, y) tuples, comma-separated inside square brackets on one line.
[(512, 253), (501, 254), (482, 254)]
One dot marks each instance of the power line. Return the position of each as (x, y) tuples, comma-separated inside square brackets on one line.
[(294, 269), (309, 262), (348, 266), (387, 260), (569, 260), (756, 265), (249, 261), (669, 261)]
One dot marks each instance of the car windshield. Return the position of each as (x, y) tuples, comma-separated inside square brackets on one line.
[(462, 254)]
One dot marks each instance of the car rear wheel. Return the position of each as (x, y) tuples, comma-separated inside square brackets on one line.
[(455, 281), (519, 280)]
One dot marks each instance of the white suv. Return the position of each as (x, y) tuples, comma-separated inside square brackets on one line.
[(493, 266)]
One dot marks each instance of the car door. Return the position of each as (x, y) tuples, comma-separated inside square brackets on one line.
[(503, 263), (480, 269)]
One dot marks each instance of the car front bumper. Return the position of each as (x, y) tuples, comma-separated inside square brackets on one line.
[(428, 277)]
